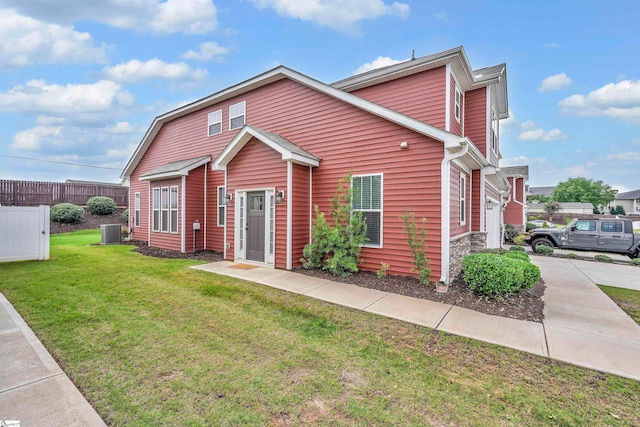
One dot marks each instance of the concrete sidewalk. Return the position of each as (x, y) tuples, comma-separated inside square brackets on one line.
[(582, 325), (33, 388)]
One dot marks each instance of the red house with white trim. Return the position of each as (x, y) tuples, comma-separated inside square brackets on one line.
[(515, 212), (239, 171)]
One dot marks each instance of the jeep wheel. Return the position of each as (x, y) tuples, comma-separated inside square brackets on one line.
[(539, 243)]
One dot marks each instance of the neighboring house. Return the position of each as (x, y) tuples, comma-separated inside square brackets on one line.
[(240, 170), (630, 201), (515, 212), (545, 191), (577, 208)]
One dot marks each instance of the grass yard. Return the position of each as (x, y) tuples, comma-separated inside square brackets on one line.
[(151, 342), (627, 299)]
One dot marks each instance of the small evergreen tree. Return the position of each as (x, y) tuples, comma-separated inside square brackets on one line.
[(416, 239)]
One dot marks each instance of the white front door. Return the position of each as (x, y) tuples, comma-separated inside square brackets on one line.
[(493, 225)]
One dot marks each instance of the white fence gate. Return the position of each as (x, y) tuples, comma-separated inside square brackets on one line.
[(24, 233)]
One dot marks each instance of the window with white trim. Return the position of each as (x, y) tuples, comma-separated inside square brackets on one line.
[(173, 209), (237, 115), (215, 123), (494, 130), (136, 211), (457, 109), (164, 210), (367, 198), (156, 209), (463, 199), (222, 206)]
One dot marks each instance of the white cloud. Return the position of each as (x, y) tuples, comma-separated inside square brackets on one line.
[(508, 124), (577, 170), (157, 16), (337, 14), (27, 41), (555, 82), (121, 128), (523, 160), (96, 103), (136, 71), (530, 132), (628, 156), (208, 51), (635, 141), (552, 45), (30, 139), (379, 62), (619, 101)]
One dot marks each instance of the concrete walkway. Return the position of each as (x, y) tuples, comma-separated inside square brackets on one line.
[(33, 388), (582, 325)]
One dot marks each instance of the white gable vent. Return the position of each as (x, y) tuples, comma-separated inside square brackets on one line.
[(110, 234)]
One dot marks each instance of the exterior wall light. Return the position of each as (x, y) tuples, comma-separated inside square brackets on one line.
[(489, 204), (279, 197), (228, 198)]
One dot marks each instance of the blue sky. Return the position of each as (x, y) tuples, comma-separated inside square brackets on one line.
[(81, 81)]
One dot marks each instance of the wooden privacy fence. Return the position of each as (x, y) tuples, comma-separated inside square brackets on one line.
[(36, 193)]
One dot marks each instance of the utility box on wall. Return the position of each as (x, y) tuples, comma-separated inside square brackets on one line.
[(110, 234)]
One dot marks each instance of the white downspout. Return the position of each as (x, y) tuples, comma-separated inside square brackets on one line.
[(502, 194), (445, 202)]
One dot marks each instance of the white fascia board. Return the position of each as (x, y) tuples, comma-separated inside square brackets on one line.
[(301, 160), (175, 174)]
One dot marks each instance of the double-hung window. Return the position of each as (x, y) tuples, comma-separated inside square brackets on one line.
[(173, 208), (237, 114), (222, 207), (463, 199), (136, 211), (457, 106), (215, 123), (164, 210), (367, 198), (156, 209)]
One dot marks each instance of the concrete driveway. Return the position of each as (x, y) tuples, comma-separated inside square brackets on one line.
[(582, 324)]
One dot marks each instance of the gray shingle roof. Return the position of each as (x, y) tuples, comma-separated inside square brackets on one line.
[(176, 167), (516, 171), (629, 195), (546, 191)]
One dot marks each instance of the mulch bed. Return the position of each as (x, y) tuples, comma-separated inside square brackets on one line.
[(524, 305), (88, 222), (142, 248)]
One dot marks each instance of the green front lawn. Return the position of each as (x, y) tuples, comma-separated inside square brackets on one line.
[(152, 342), (627, 299)]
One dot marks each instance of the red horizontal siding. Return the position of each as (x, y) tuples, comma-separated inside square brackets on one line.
[(301, 214), (421, 96), (477, 203), (475, 126), (514, 211), (194, 240), (344, 137)]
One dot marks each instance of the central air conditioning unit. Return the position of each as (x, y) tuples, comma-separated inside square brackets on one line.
[(110, 234)]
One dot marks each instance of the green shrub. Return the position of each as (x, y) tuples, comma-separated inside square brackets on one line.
[(67, 213), (383, 270), (516, 249), (519, 240), (530, 226), (545, 250), (101, 205), (493, 275), (125, 216), (337, 248), (572, 256), (417, 246), (495, 251), (531, 274), (510, 231), (517, 255), (635, 261), (603, 258)]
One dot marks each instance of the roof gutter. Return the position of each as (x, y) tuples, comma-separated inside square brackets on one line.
[(445, 206)]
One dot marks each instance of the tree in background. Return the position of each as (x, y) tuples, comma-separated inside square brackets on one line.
[(551, 207), (539, 197), (585, 191), (618, 210)]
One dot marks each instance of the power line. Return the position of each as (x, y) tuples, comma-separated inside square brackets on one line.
[(61, 163)]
